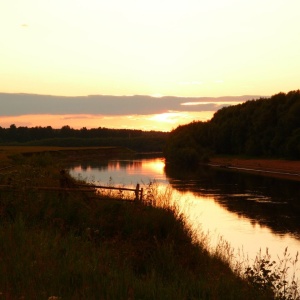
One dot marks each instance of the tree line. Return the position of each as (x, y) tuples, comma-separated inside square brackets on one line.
[(66, 136), (267, 127)]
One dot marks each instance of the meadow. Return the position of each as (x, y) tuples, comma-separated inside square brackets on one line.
[(69, 243)]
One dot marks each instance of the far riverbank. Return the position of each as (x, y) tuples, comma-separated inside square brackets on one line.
[(285, 169)]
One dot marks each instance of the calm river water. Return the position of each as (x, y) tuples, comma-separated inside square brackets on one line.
[(251, 212)]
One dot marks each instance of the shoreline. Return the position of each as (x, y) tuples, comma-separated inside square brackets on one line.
[(279, 168)]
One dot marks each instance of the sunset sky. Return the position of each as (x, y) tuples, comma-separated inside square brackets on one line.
[(189, 48)]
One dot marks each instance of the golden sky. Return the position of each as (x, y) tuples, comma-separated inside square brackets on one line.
[(188, 48), (159, 122)]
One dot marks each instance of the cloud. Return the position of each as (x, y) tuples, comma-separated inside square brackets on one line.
[(30, 104), (212, 104)]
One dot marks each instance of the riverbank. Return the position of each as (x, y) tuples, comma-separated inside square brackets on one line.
[(75, 245), (285, 169)]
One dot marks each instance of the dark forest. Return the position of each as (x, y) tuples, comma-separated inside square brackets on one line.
[(267, 127), (66, 136)]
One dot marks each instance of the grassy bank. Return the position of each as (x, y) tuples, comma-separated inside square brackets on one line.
[(73, 245)]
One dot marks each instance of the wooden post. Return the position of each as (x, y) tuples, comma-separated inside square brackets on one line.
[(137, 192)]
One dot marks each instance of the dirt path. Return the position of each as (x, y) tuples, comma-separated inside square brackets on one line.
[(270, 167)]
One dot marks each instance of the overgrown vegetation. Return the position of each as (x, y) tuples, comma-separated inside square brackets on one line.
[(268, 274), (268, 127), (60, 244)]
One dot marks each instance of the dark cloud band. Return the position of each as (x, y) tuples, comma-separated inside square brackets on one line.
[(25, 104)]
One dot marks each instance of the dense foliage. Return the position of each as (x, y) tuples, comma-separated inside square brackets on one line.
[(267, 127), (68, 137)]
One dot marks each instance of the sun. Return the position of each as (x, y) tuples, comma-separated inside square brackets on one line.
[(168, 117)]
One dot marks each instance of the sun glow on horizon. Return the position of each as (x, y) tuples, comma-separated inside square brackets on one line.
[(168, 117), (159, 122), (216, 103)]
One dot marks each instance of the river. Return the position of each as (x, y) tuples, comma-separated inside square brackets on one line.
[(250, 212)]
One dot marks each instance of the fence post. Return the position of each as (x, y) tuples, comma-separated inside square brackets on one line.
[(137, 192)]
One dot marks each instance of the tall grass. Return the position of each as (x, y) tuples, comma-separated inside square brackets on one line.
[(262, 274), (72, 245)]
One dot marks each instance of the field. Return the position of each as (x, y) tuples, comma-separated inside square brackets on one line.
[(7, 153)]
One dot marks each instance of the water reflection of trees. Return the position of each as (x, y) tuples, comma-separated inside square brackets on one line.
[(267, 201), (106, 165)]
